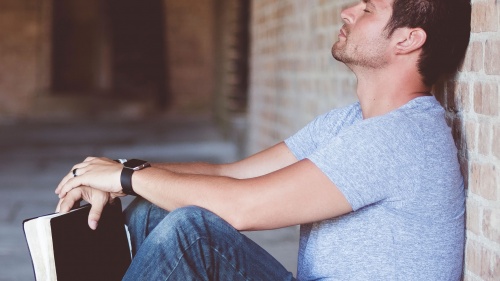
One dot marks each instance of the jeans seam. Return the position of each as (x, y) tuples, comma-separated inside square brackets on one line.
[(211, 247)]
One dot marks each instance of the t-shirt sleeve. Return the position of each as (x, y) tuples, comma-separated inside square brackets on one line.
[(366, 163), (304, 142), (322, 128)]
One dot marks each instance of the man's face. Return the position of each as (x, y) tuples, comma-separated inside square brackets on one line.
[(362, 39)]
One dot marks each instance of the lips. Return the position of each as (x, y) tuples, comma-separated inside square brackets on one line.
[(343, 32)]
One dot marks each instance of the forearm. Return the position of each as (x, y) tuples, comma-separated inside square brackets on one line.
[(268, 190), (265, 162), (170, 190), (196, 168), (297, 194)]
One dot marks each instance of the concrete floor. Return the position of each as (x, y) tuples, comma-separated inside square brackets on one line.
[(35, 157)]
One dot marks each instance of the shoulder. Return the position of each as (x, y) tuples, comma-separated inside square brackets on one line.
[(333, 121), (322, 129), (352, 111), (420, 119)]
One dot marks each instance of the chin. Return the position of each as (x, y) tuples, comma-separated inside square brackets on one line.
[(336, 54)]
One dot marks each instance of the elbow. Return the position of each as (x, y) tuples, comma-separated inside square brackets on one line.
[(238, 221), (240, 218), (237, 224)]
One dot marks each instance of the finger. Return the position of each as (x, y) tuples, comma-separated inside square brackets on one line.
[(75, 170), (66, 203), (95, 213), (58, 207), (89, 159), (114, 195), (75, 205), (70, 185), (63, 181), (74, 181)]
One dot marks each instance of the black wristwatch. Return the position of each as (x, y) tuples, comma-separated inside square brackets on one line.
[(129, 167)]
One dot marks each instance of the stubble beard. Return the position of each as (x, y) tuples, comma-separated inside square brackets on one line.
[(353, 55)]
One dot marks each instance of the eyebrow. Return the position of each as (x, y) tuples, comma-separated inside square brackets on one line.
[(369, 2)]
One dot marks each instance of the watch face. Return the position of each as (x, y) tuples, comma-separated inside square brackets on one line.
[(133, 163)]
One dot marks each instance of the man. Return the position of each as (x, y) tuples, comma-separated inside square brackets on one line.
[(375, 186)]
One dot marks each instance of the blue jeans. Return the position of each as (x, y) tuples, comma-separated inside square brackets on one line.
[(192, 243)]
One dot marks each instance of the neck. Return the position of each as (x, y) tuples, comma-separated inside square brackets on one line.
[(381, 92)]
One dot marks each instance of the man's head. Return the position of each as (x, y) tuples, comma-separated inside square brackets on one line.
[(439, 29), (363, 39), (447, 25)]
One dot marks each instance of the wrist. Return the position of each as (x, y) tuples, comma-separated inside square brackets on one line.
[(129, 167)]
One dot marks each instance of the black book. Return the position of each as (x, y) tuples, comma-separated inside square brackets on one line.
[(63, 247)]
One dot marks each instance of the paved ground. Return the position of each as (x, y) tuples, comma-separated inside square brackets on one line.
[(35, 156)]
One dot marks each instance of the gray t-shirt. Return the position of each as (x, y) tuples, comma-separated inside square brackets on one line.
[(400, 173)]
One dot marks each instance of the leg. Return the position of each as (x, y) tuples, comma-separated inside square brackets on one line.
[(194, 244), (141, 218)]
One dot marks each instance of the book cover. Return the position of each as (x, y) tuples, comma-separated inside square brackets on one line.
[(63, 247)]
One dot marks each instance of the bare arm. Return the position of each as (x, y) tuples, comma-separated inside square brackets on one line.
[(299, 193), (265, 191), (264, 162), (296, 194)]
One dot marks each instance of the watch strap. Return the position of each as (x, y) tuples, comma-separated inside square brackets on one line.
[(126, 181)]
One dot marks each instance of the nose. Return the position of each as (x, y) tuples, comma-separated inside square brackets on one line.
[(348, 14)]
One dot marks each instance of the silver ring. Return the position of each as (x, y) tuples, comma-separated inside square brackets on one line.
[(74, 172)]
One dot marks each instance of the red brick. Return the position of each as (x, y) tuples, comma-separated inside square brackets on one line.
[(484, 17), (458, 96), (483, 180), (470, 135), (486, 98), (481, 260), (474, 58), (473, 216), (484, 138), (495, 267), (492, 52), (463, 99), (491, 224), (495, 148), (473, 256)]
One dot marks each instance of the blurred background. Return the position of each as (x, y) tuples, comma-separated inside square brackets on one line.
[(119, 59), (208, 80)]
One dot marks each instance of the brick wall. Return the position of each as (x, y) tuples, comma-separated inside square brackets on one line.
[(474, 107), (294, 78), (293, 75), (21, 41), (190, 53)]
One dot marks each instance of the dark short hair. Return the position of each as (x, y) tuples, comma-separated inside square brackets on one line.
[(447, 24)]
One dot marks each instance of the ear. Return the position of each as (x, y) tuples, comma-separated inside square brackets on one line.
[(409, 39)]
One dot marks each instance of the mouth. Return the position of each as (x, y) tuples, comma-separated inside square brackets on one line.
[(342, 33)]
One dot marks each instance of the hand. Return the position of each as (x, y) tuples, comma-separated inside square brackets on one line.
[(97, 198), (98, 173)]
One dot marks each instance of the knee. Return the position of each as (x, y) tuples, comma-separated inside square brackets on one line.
[(188, 212), (188, 217), (195, 215), (194, 230), (193, 221)]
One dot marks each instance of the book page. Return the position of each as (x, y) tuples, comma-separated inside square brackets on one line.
[(39, 239), (30, 228), (47, 251)]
